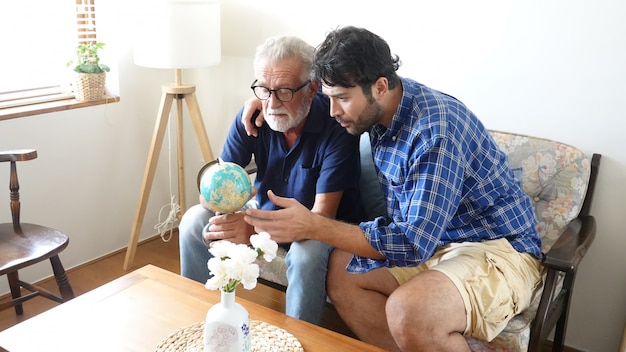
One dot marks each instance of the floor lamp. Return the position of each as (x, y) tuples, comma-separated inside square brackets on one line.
[(175, 34)]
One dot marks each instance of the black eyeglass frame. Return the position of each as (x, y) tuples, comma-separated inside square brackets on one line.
[(270, 91)]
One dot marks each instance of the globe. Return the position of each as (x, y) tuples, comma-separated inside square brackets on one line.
[(225, 186)]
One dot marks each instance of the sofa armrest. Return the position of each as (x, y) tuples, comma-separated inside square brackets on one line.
[(572, 245)]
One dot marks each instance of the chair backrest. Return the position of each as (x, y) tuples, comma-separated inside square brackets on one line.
[(372, 197), (555, 176), (14, 156)]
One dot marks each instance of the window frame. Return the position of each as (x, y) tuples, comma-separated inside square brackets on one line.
[(43, 100)]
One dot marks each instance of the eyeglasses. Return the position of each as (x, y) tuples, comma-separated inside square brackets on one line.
[(283, 94)]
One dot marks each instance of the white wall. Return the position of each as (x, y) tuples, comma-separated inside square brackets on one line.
[(552, 69)]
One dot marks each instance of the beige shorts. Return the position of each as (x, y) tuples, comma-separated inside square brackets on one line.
[(495, 281)]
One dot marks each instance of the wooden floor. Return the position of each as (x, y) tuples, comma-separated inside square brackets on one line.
[(153, 251)]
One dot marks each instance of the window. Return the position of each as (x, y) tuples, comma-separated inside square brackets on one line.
[(43, 37)]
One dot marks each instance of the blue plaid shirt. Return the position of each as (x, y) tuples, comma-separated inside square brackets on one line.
[(445, 181)]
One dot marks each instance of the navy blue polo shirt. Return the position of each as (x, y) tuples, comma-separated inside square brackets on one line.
[(325, 158)]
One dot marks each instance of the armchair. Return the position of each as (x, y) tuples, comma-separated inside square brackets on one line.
[(560, 180)]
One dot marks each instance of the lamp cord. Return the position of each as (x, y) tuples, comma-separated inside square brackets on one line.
[(166, 227)]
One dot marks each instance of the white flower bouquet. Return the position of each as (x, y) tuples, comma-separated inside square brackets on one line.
[(233, 264)]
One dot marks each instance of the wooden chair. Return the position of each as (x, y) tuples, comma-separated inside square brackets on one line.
[(22, 245)]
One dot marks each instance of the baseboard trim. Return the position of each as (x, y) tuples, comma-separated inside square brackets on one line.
[(121, 250), (547, 346)]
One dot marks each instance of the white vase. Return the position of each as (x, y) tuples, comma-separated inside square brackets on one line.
[(227, 326)]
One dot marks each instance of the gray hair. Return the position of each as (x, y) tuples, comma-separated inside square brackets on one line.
[(280, 47)]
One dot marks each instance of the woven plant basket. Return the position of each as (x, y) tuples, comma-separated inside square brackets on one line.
[(89, 86)]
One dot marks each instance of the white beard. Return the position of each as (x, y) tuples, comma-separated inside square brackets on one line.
[(285, 124)]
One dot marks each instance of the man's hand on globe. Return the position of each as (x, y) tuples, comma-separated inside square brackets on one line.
[(230, 227)]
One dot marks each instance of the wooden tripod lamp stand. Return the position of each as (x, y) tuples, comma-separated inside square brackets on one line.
[(177, 34)]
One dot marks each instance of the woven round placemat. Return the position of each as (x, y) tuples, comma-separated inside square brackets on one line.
[(264, 337)]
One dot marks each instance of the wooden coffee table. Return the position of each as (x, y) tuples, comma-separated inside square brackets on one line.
[(138, 310)]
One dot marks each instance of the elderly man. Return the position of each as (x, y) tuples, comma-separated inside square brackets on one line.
[(300, 152)]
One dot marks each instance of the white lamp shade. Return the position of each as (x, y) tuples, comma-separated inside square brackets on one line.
[(178, 34)]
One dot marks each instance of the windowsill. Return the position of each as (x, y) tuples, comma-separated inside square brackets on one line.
[(52, 106)]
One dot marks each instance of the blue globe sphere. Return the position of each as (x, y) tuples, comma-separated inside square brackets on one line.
[(225, 186)]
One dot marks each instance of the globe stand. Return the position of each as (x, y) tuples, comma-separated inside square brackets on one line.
[(203, 169), (179, 92)]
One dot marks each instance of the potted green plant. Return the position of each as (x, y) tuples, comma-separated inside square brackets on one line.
[(90, 73)]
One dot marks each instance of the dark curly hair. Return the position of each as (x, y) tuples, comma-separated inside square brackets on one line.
[(352, 56)]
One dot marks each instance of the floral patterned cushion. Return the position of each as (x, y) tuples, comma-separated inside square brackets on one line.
[(555, 176)]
